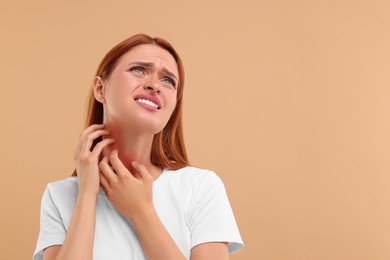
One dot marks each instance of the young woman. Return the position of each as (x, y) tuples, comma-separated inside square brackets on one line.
[(133, 194)]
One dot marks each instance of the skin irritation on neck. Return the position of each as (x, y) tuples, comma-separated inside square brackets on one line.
[(132, 147)]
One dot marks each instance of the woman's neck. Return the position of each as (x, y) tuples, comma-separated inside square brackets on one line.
[(132, 146)]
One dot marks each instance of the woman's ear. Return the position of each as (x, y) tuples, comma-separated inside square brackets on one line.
[(98, 89)]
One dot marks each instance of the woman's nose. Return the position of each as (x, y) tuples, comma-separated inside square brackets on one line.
[(152, 85)]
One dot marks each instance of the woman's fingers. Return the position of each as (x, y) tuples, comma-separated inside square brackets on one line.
[(143, 172), (120, 169), (88, 140), (104, 182), (106, 170), (97, 150), (87, 165), (86, 131)]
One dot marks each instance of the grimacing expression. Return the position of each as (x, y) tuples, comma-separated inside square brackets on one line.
[(141, 91)]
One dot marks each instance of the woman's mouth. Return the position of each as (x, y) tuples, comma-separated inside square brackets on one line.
[(147, 102)]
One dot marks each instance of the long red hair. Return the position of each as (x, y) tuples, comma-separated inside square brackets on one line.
[(168, 149)]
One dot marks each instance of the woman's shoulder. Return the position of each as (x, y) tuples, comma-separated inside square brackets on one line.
[(192, 171), (194, 175), (66, 186), (69, 181)]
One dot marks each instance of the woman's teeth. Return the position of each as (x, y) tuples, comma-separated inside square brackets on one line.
[(148, 102)]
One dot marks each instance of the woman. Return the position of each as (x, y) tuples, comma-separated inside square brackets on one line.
[(133, 194)]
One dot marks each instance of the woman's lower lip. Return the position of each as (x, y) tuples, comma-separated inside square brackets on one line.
[(150, 108)]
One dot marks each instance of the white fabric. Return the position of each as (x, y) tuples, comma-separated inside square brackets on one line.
[(191, 203)]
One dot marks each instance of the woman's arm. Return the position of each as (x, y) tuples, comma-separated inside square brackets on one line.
[(155, 239), (158, 244), (214, 250), (78, 243)]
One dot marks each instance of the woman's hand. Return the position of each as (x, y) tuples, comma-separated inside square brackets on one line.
[(129, 195), (87, 161), (133, 198)]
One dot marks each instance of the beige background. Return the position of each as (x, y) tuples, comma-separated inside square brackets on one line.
[(288, 101)]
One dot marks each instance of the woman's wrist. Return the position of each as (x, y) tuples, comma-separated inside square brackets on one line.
[(142, 215), (87, 197), (155, 239)]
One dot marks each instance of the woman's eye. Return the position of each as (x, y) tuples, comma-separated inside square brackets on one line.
[(137, 69), (170, 81)]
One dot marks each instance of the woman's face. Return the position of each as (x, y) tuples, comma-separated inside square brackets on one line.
[(141, 91)]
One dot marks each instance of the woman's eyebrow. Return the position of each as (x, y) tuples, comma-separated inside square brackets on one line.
[(145, 64), (168, 73), (151, 65)]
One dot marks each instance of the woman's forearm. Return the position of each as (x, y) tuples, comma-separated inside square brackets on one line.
[(78, 243), (157, 243)]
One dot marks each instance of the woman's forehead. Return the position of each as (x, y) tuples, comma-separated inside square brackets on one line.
[(151, 54)]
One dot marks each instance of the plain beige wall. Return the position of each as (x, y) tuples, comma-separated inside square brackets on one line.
[(288, 101)]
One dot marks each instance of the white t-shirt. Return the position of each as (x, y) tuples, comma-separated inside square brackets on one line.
[(192, 204)]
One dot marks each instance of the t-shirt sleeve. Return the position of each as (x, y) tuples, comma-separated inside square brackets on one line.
[(52, 230), (211, 217)]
